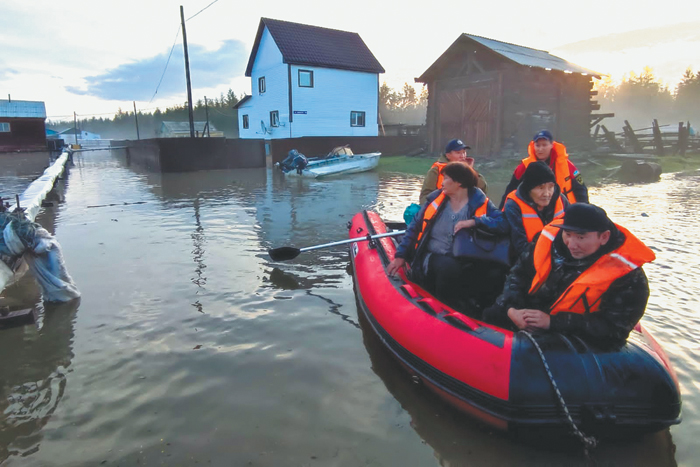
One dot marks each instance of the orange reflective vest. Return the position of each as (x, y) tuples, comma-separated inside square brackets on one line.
[(440, 166), (583, 295), (561, 167), (531, 221), (432, 210)]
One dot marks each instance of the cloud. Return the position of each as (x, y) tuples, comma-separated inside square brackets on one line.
[(6, 72), (648, 37), (138, 80)]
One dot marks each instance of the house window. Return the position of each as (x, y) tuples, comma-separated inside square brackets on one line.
[(245, 122), (357, 118), (261, 84), (306, 79), (275, 118), (4, 127)]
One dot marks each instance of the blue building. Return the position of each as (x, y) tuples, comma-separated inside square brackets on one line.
[(309, 81)]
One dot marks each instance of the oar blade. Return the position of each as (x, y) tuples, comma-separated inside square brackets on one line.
[(284, 253)]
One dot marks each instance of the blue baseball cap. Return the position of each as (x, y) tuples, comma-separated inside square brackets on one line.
[(455, 145), (546, 134)]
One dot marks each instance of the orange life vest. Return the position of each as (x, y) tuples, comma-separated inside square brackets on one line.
[(440, 166), (561, 167), (583, 295), (432, 210), (531, 221)]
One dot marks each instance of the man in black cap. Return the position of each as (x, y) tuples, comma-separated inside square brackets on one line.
[(544, 148), (455, 151), (583, 276)]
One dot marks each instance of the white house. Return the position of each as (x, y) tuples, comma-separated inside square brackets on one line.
[(309, 81)]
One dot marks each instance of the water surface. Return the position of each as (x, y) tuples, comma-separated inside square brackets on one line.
[(190, 346)]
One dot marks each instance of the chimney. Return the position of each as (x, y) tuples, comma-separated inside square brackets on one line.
[(9, 99)]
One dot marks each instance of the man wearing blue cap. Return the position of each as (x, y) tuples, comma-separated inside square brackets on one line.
[(455, 151), (582, 276), (544, 148)]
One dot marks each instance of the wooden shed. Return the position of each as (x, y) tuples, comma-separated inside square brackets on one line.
[(22, 125), (495, 96)]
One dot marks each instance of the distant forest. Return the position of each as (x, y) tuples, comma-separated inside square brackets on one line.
[(222, 116), (640, 98)]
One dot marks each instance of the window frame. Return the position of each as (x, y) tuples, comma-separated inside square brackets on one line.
[(356, 114), (2, 126), (274, 118), (262, 87), (311, 76), (246, 122)]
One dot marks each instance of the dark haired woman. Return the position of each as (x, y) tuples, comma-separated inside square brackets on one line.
[(537, 202), (428, 245)]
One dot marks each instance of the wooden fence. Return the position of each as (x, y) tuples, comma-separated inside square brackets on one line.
[(651, 140)]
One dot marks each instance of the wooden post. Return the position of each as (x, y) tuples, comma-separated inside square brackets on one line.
[(381, 124), (75, 127), (629, 133), (658, 140), (683, 133), (610, 138), (136, 118), (595, 133), (206, 111), (187, 72)]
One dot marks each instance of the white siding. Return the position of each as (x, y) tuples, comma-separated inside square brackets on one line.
[(328, 104), (268, 63)]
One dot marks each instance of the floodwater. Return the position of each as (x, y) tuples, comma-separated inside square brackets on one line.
[(191, 347)]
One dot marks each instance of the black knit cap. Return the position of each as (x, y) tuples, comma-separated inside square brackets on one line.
[(583, 218), (536, 174)]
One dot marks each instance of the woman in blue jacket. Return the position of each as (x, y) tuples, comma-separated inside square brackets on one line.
[(459, 282)]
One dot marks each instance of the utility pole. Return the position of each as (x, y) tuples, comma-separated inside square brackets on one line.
[(206, 111), (75, 127), (137, 122), (187, 72)]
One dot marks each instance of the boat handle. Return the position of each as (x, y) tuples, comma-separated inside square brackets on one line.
[(465, 320)]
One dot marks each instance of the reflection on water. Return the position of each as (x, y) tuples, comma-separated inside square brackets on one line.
[(192, 346)]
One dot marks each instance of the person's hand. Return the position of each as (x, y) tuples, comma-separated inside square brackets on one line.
[(395, 265), (468, 224), (516, 316), (469, 161), (536, 319)]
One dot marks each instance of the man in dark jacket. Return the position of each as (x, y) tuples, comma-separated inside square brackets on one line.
[(581, 276)]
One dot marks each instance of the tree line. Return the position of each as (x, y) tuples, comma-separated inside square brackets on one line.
[(402, 106), (123, 126), (640, 98)]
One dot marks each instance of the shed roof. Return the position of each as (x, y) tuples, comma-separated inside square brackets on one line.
[(22, 109), (519, 54), (301, 44), (178, 127)]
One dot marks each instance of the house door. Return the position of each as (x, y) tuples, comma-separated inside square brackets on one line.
[(469, 114)]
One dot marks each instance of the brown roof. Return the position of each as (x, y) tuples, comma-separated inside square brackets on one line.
[(301, 44)]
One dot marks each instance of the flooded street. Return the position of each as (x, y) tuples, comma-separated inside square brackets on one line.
[(190, 346)]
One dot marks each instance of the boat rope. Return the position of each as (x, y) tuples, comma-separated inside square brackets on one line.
[(589, 442)]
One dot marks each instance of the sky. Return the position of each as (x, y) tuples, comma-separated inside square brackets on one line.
[(94, 57)]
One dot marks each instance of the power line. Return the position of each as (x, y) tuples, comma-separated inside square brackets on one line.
[(202, 10), (177, 34)]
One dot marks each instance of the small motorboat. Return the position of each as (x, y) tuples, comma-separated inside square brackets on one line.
[(340, 160), (511, 381)]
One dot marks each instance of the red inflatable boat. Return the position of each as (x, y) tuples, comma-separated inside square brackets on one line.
[(499, 376)]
